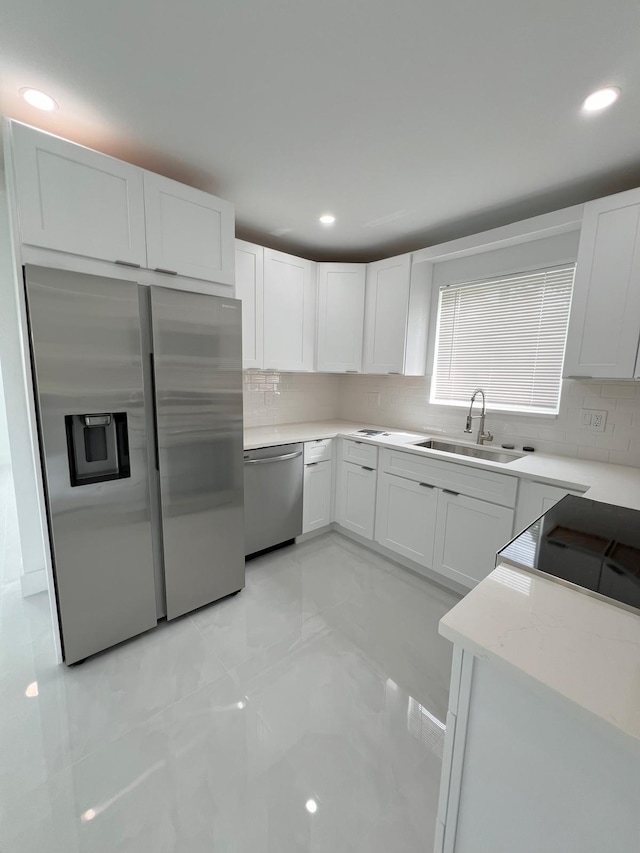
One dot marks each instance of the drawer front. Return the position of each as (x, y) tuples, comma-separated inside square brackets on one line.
[(474, 482), (360, 453), (318, 451)]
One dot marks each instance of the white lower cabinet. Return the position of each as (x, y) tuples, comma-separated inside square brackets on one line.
[(406, 518), (356, 498), (469, 532), (316, 502), (536, 498)]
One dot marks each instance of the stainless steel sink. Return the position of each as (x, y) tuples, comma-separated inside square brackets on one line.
[(474, 451)]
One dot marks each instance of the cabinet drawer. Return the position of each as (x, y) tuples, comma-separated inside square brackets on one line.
[(474, 482), (360, 453), (318, 451)]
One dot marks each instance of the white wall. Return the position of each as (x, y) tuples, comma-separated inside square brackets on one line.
[(5, 454), (279, 398), (23, 456)]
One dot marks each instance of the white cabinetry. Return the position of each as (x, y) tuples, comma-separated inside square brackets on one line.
[(289, 312), (469, 533), (75, 200), (406, 517), (341, 289), (356, 498), (604, 328), (189, 232), (423, 514), (396, 316), (318, 485), (250, 289), (316, 505), (536, 498), (79, 202)]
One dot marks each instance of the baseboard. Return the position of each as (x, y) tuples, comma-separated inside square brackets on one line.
[(33, 582), (403, 562), (313, 533)]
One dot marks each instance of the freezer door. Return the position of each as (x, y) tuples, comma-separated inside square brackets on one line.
[(85, 341), (197, 343)]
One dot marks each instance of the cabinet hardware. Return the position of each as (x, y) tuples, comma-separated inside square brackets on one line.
[(393, 373), (449, 492), (166, 272), (270, 459), (351, 371), (358, 442), (428, 486), (129, 264), (309, 464), (365, 468)]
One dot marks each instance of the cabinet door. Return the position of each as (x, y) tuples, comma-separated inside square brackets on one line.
[(604, 328), (249, 289), (76, 200), (385, 317), (189, 232), (406, 517), (340, 317), (356, 499), (536, 498), (316, 504), (469, 533), (289, 312)]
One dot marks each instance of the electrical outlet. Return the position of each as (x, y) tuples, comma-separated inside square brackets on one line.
[(593, 419)]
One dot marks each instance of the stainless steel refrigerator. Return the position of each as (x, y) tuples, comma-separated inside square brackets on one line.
[(139, 401)]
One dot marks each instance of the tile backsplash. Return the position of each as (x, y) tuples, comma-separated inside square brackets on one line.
[(403, 401), (280, 398)]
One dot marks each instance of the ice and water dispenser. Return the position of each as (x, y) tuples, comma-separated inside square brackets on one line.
[(98, 447)]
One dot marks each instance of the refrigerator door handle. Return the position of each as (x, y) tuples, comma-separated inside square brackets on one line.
[(156, 439), (272, 459)]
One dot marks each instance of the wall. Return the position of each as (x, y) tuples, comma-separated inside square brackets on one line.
[(23, 455), (402, 401), (279, 398), (5, 455)]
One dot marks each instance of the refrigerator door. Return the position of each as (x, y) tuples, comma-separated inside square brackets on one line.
[(197, 343), (85, 342)]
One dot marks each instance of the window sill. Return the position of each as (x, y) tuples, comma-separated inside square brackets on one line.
[(497, 410)]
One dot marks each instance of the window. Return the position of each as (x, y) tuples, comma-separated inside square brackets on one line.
[(505, 335)]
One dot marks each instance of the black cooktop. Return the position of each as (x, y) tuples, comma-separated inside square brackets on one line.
[(593, 545)]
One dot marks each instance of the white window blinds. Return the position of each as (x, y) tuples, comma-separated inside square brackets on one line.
[(505, 335)]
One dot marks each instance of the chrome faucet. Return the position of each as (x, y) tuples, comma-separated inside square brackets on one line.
[(482, 435)]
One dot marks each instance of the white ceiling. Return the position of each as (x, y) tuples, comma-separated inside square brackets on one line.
[(411, 121)]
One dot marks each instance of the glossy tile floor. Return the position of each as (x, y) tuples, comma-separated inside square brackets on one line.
[(304, 714)]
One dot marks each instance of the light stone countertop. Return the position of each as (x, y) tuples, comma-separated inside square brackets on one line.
[(586, 650), (601, 481)]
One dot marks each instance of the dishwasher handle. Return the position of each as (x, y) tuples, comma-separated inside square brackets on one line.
[(273, 458)]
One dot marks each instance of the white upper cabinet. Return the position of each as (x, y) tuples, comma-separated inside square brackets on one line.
[(341, 289), (289, 312), (189, 232), (604, 328), (396, 316), (76, 200), (249, 289)]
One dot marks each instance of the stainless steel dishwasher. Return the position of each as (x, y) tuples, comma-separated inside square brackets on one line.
[(273, 478)]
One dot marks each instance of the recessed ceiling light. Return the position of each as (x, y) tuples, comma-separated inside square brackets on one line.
[(601, 99), (311, 806), (327, 219), (39, 99)]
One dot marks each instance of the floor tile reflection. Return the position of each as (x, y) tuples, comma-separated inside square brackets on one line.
[(304, 714)]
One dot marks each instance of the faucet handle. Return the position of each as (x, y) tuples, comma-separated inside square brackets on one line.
[(487, 436)]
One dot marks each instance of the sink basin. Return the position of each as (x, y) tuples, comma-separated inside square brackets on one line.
[(474, 451)]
